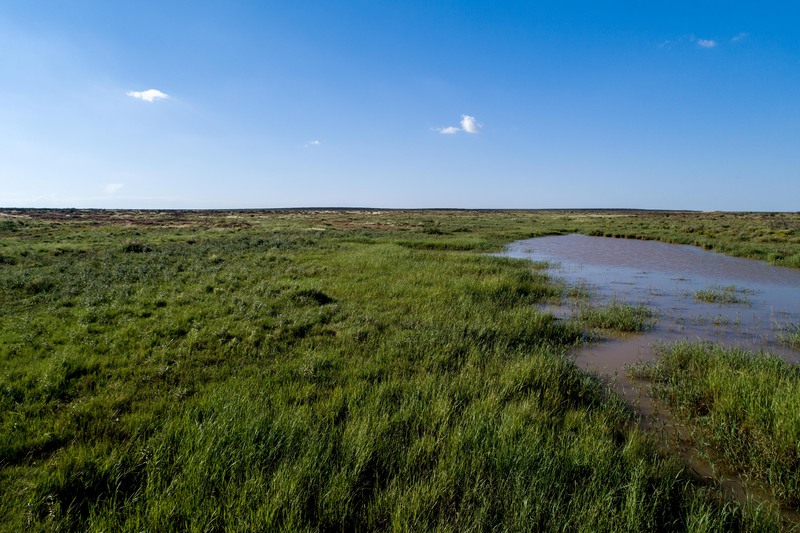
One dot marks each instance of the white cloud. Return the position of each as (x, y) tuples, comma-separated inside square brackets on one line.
[(706, 43), (739, 37), (315, 142), (150, 95), (469, 125), (111, 188)]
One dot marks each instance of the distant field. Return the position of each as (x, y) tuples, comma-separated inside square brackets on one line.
[(328, 370)]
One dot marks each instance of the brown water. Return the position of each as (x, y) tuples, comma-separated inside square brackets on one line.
[(665, 277)]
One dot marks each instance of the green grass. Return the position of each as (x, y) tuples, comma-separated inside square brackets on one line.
[(617, 316), (729, 294), (789, 335), (299, 370), (745, 406)]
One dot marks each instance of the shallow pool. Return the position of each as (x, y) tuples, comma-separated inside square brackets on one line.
[(671, 279)]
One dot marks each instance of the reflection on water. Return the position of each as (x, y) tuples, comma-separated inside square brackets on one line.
[(666, 277)]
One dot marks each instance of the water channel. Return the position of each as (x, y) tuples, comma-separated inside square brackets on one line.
[(667, 278)]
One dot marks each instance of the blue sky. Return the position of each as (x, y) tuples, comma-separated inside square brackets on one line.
[(673, 105)]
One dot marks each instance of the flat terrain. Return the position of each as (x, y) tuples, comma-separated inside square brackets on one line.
[(332, 370)]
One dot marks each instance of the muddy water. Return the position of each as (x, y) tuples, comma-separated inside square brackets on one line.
[(666, 277)]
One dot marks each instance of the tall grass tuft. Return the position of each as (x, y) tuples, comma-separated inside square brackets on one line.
[(789, 335), (746, 407)]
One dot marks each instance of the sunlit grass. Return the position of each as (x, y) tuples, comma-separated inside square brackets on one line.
[(745, 405), (618, 316), (294, 370)]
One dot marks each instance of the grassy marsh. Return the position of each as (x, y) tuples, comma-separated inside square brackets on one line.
[(313, 370), (744, 406)]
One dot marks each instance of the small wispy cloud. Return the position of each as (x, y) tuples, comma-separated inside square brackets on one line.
[(706, 43), (468, 124), (701, 43), (111, 188), (150, 95), (315, 142)]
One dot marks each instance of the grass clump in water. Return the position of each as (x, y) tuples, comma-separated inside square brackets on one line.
[(789, 335), (746, 407), (618, 316), (728, 294)]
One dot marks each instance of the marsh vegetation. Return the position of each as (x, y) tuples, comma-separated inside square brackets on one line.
[(618, 316), (744, 409), (789, 335), (728, 294), (331, 369)]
